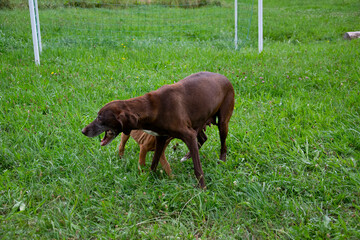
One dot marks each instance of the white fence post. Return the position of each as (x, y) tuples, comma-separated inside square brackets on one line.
[(37, 20), (236, 25), (34, 32), (260, 25)]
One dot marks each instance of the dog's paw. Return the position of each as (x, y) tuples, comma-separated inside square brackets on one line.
[(186, 157), (121, 153)]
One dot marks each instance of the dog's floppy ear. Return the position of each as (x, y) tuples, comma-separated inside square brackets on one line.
[(128, 121)]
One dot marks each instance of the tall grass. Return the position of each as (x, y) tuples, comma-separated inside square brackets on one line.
[(293, 145)]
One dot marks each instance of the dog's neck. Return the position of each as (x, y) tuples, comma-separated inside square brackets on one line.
[(143, 106)]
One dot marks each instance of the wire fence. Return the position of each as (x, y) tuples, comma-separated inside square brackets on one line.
[(114, 24)]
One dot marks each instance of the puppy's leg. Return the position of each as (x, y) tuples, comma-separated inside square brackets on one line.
[(124, 139), (165, 164), (192, 144), (142, 157), (159, 149)]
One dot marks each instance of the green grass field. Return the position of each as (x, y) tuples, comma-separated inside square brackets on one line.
[(293, 148)]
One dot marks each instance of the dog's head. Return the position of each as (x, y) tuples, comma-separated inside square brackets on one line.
[(112, 120)]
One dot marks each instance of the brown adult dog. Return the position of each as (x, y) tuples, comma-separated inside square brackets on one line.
[(180, 110), (146, 143)]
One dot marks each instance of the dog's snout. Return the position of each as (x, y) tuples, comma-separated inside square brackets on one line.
[(84, 131), (92, 130)]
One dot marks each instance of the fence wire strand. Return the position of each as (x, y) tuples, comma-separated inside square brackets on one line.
[(116, 24)]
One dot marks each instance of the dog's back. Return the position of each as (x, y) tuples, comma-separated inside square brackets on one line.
[(195, 99)]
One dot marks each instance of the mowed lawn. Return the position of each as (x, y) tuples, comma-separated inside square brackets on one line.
[(292, 169)]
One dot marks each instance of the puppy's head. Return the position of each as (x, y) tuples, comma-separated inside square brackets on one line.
[(111, 120)]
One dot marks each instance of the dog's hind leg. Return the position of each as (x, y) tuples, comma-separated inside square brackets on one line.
[(223, 130), (224, 116), (124, 139)]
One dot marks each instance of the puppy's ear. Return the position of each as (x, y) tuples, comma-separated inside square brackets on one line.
[(128, 121)]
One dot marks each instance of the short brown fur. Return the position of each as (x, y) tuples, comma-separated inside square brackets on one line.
[(180, 110)]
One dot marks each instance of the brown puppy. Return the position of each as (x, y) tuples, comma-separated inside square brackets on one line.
[(146, 143), (180, 110)]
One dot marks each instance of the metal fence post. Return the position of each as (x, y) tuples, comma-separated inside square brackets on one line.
[(34, 32), (37, 20), (236, 25), (260, 24)]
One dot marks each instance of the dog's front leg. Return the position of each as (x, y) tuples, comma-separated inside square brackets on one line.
[(159, 149), (201, 137), (192, 144)]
